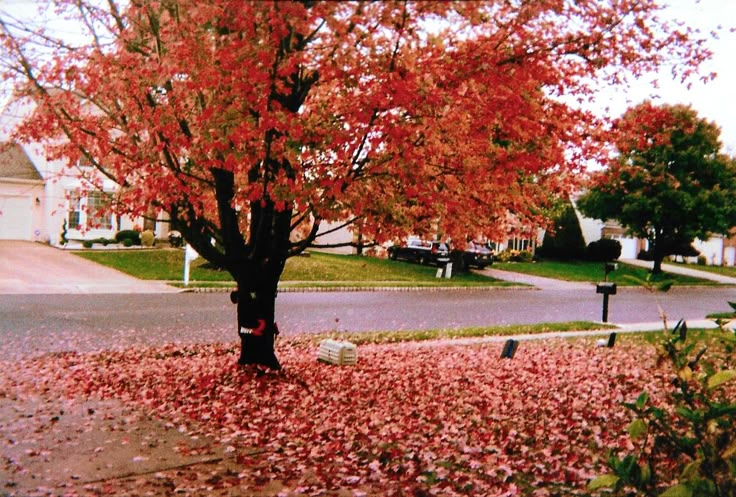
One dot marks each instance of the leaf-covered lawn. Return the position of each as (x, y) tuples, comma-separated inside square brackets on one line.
[(409, 419)]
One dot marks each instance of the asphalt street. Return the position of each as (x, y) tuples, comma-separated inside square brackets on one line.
[(88, 307), (32, 324)]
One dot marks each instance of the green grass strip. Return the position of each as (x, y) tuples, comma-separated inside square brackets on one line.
[(379, 337), (625, 275)]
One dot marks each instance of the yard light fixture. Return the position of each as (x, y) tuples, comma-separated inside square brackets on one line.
[(509, 349)]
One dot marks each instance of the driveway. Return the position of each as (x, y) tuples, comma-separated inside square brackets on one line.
[(28, 267), (538, 282)]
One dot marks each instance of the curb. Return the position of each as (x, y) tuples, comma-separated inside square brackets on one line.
[(365, 289)]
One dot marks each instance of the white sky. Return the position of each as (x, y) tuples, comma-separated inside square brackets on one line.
[(715, 100)]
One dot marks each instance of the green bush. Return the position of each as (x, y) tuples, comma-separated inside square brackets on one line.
[(147, 238), (603, 250), (63, 240), (132, 235), (88, 243), (523, 256), (127, 242), (702, 261), (690, 431), (565, 242)]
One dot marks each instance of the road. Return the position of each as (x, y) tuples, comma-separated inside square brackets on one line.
[(32, 324)]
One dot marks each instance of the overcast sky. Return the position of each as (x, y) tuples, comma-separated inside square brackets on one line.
[(714, 101)]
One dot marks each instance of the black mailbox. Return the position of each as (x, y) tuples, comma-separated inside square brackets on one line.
[(606, 288)]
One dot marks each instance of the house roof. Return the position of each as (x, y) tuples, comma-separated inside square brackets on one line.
[(15, 164)]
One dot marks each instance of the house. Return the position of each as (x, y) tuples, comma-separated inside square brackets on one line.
[(46, 201), (22, 196), (718, 250)]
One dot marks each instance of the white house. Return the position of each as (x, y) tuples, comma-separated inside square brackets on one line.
[(44, 200), (717, 250), (22, 197)]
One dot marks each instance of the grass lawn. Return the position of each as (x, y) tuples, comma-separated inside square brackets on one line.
[(379, 337), (317, 269), (625, 275)]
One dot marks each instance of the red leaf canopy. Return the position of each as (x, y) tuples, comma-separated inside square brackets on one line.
[(398, 117)]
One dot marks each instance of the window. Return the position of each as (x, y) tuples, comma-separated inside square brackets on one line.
[(97, 203), (88, 210), (74, 210)]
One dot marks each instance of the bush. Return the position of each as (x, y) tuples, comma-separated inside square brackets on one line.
[(63, 240), (702, 260), (132, 235), (523, 256), (644, 255), (87, 243), (566, 242), (147, 238), (603, 250), (127, 242), (685, 440)]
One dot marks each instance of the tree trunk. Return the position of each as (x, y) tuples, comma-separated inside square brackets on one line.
[(256, 301), (657, 267)]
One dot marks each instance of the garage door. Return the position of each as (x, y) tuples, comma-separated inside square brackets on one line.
[(15, 218)]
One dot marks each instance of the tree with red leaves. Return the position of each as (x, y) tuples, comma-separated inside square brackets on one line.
[(669, 183), (254, 123)]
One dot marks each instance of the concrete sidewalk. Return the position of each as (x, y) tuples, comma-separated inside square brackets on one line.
[(684, 270), (553, 284)]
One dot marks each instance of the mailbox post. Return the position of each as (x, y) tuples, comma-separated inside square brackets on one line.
[(606, 288)]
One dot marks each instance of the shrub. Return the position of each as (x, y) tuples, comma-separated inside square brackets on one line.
[(644, 255), (603, 250), (506, 256), (690, 432), (702, 260), (87, 243), (127, 242), (63, 240), (685, 249), (132, 235), (566, 242), (523, 256), (147, 238)]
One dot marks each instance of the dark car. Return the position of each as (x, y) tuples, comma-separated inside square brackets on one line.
[(421, 251), (478, 255)]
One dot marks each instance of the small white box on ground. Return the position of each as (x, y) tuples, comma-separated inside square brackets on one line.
[(337, 352)]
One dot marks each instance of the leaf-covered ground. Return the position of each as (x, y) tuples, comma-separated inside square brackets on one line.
[(410, 419)]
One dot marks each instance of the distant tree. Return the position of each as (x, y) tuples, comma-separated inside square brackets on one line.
[(668, 183), (564, 241), (252, 124)]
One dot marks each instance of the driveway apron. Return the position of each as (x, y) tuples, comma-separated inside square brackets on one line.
[(35, 268)]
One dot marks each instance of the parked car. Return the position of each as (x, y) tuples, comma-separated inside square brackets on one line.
[(421, 251), (478, 255)]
